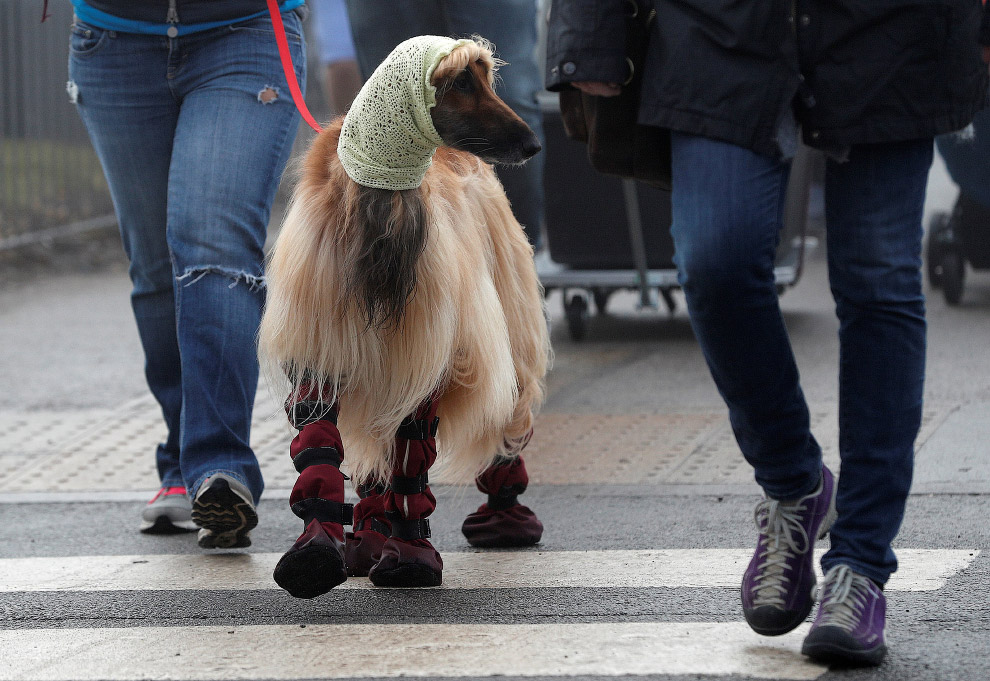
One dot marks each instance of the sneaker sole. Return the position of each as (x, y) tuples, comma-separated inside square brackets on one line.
[(780, 630), (224, 516), (836, 655), (165, 525)]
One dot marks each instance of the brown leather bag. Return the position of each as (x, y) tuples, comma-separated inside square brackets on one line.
[(617, 144)]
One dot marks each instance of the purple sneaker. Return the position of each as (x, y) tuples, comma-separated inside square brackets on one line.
[(848, 630), (778, 584)]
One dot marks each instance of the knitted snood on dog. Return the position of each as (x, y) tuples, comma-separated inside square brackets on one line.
[(388, 138)]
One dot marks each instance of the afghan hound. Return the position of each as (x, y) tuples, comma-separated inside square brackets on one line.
[(404, 306)]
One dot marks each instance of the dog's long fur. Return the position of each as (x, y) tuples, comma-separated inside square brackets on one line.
[(390, 297)]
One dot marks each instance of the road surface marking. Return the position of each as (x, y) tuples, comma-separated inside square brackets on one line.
[(329, 651), (920, 570)]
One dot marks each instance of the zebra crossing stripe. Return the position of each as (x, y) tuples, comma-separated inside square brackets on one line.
[(391, 650), (920, 570)]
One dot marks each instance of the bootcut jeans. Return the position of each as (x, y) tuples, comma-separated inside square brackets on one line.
[(193, 134), (727, 218)]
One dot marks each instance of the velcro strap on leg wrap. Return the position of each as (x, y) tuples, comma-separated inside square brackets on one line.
[(409, 485), (304, 412), (373, 524), (403, 528), (418, 429), (324, 510), (500, 502), (315, 456), (364, 491)]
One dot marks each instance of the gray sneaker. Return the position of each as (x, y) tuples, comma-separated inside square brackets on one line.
[(224, 509), (777, 588), (168, 512)]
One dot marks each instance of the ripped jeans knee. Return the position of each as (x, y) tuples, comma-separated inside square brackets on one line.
[(194, 274)]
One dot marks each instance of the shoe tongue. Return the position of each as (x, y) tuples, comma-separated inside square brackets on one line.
[(844, 597)]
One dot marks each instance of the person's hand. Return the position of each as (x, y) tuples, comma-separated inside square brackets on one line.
[(598, 88)]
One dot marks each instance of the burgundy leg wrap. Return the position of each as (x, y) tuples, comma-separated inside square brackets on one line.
[(503, 521), (408, 559), (363, 546), (315, 563)]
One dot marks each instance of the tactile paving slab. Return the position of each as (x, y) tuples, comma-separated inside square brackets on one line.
[(113, 451)]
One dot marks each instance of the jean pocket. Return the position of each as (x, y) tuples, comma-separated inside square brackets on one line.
[(86, 39)]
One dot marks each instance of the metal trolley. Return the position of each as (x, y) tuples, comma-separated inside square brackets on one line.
[(605, 234)]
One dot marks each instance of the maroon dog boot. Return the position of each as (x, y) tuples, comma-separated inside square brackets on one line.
[(503, 521), (363, 546), (315, 563), (408, 559)]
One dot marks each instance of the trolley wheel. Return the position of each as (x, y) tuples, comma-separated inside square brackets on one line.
[(576, 311), (600, 296), (935, 248), (953, 271)]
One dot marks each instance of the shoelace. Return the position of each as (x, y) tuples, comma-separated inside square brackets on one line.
[(782, 537), (843, 595)]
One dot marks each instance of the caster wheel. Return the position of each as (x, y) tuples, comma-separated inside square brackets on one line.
[(953, 271), (576, 311)]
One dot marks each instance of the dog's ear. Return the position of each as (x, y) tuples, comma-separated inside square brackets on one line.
[(392, 232)]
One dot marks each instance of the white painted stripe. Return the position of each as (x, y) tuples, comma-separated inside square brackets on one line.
[(920, 570), (393, 650)]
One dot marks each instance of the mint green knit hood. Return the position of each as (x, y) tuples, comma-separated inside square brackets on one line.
[(388, 138)]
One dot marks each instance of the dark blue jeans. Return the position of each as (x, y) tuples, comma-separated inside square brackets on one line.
[(193, 134), (380, 25), (727, 218)]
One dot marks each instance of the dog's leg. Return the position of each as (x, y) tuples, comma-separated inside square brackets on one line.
[(315, 563), (503, 521), (363, 546), (408, 558)]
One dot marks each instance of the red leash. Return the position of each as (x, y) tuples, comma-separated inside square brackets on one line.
[(290, 71)]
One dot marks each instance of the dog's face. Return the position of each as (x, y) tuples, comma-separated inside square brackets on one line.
[(469, 116)]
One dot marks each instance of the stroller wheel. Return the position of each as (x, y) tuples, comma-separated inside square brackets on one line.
[(935, 248), (953, 271)]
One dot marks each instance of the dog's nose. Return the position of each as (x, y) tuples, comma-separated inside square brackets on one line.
[(531, 146)]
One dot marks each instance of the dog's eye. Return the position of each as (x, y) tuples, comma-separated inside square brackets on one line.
[(462, 82)]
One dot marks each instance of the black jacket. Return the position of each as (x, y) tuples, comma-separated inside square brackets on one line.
[(187, 11), (853, 71)]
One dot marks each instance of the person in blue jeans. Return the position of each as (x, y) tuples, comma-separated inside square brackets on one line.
[(738, 84), (192, 120), (380, 25)]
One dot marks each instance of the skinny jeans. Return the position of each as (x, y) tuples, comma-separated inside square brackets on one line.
[(727, 218)]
